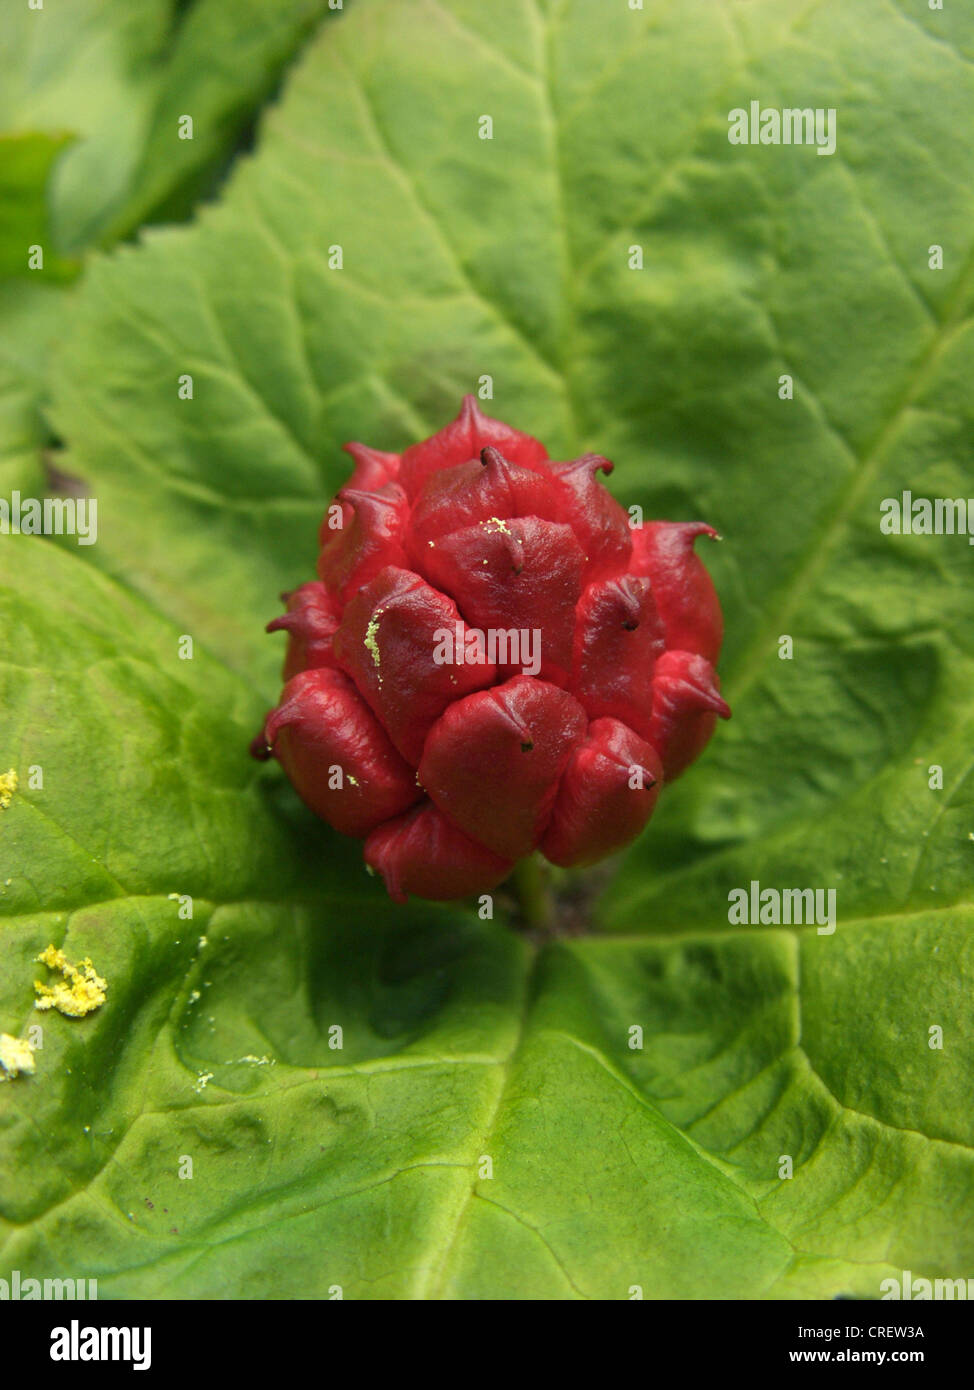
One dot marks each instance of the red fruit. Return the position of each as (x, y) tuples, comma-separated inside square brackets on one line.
[(618, 641), (337, 754), (312, 619), (424, 853), (493, 661), (520, 573), (367, 543), (606, 796), (387, 643), (600, 524), (462, 440), (684, 592), (686, 703), (493, 762)]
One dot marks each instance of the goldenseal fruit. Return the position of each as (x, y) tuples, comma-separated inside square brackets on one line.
[(492, 661)]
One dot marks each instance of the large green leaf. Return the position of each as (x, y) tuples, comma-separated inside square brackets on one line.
[(224, 61), (25, 164), (613, 1165), (122, 78), (114, 82), (90, 68), (31, 315)]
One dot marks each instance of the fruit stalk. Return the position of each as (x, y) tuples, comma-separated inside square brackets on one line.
[(532, 886)]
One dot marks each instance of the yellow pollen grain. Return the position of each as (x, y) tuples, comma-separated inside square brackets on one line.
[(80, 990), (8, 785), (371, 644), (353, 780), (16, 1057)]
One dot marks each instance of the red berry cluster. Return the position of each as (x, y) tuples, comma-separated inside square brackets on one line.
[(452, 770)]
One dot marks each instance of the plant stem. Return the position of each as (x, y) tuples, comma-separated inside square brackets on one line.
[(530, 881)]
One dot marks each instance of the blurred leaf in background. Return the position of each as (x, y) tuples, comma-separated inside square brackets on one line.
[(93, 139)]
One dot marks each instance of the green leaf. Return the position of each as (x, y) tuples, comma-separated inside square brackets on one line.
[(611, 1165), (89, 68), (32, 301), (25, 163), (112, 82), (224, 62), (31, 316), (121, 78)]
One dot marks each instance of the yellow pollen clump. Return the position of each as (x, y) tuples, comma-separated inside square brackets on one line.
[(8, 785), (16, 1056), (353, 780), (498, 526), (79, 992), (371, 644)]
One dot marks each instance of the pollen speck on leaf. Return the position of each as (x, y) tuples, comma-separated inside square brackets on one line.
[(79, 992), (8, 785), (16, 1057)]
